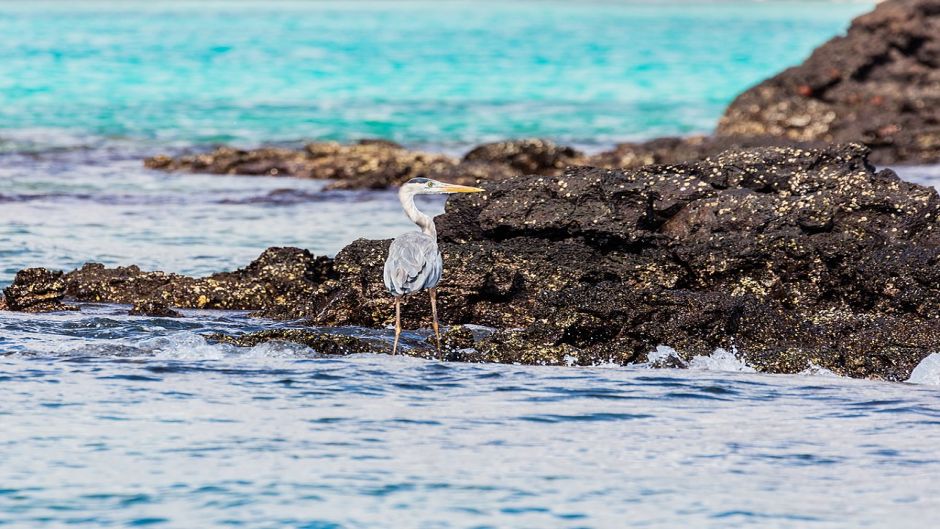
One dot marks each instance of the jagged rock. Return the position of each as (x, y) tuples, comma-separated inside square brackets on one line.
[(676, 150), (879, 84), (527, 156), (36, 290), (153, 308), (377, 164), (368, 164), (280, 282), (790, 255)]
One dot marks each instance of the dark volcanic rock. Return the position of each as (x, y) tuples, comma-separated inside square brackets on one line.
[(153, 308), (792, 256), (676, 150), (527, 156), (879, 84), (378, 164), (323, 343), (36, 290), (369, 164), (279, 283)]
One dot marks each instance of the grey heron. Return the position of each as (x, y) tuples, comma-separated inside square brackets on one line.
[(414, 263)]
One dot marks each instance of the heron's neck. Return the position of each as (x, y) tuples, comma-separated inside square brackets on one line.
[(425, 222)]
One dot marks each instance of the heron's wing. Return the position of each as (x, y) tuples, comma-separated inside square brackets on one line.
[(413, 263)]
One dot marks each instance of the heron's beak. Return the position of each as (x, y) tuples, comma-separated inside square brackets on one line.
[(454, 188)]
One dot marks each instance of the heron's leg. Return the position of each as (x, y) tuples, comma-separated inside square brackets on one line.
[(397, 323), (437, 332)]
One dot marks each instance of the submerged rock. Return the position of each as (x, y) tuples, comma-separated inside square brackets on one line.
[(36, 290), (879, 84), (323, 343), (153, 308)]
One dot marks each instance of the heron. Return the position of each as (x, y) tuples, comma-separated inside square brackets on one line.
[(414, 262)]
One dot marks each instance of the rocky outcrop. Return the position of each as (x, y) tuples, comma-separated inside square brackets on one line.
[(363, 165), (879, 84), (790, 256), (36, 290), (280, 281), (675, 150), (377, 164), (527, 156)]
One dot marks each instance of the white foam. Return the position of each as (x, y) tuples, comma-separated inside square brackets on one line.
[(665, 356), (814, 370), (720, 360), (927, 371), (183, 346)]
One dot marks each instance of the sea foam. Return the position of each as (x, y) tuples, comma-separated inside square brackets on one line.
[(927, 371)]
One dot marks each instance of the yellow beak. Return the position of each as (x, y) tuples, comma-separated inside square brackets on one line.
[(454, 188)]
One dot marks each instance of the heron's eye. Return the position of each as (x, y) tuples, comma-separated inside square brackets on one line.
[(430, 184)]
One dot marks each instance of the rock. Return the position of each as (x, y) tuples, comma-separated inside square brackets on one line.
[(153, 308), (323, 343), (527, 156), (377, 164), (36, 290), (879, 84), (676, 150), (279, 284), (790, 255), (368, 164)]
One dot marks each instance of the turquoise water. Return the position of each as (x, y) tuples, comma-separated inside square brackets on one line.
[(441, 73)]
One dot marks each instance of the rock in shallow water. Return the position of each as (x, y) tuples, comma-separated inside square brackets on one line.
[(793, 256), (376, 164), (36, 290), (153, 308)]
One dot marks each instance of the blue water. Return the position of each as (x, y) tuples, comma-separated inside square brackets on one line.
[(449, 73), (116, 421), (109, 420)]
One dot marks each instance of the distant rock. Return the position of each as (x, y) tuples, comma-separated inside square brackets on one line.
[(527, 156), (368, 164), (36, 290), (879, 85)]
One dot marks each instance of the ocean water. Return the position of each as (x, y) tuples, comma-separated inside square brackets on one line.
[(441, 73), (110, 420), (116, 421)]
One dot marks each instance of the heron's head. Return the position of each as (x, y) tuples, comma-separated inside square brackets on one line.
[(428, 186)]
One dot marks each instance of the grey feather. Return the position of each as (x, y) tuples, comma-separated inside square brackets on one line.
[(414, 263)]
